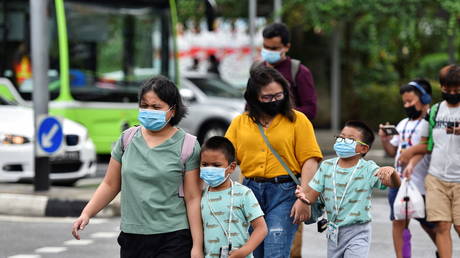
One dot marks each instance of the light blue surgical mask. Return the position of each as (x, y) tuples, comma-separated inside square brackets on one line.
[(154, 120), (213, 176), (272, 57), (345, 150)]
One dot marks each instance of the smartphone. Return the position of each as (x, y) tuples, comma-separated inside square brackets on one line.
[(390, 130)]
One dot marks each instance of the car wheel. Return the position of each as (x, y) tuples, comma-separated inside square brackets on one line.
[(212, 129)]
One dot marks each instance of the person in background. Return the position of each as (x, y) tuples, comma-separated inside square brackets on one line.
[(276, 44), (156, 221), (443, 180), (346, 183), (416, 97), (227, 207), (291, 135)]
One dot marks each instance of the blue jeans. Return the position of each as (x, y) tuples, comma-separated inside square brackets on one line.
[(276, 201)]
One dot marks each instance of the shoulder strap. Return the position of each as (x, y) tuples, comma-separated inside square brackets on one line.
[(187, 148), (432, 120), (295, 66), (127, 137), (261, 130)]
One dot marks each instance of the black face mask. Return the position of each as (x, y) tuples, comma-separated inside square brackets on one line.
[(271, 108), (452, 99), (412, 112)]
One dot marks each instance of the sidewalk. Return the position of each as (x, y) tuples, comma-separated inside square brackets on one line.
[(21, 200)]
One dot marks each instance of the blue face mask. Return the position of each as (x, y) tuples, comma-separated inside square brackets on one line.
[(272, 57), (213, 176), (345, 150), (154, 120)]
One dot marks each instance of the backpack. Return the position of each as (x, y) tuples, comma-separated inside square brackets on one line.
[(432, 120), (186, 152), (295, 66)]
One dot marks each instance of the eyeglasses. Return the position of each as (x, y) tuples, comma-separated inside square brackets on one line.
[(271, 97), (348, 140)]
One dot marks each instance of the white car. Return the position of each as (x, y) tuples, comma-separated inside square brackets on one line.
[(212, 104), (78, 159)]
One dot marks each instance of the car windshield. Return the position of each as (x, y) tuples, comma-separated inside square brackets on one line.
[(216, 87)]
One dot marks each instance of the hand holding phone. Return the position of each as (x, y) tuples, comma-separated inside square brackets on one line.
[(389, 130)]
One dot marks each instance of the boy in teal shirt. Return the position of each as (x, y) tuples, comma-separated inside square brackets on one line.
[(346, 184), (227, 208)]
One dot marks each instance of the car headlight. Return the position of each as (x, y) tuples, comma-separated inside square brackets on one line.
[(13, 139)]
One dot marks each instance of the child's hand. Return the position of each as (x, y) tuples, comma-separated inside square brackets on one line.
[(407, 172), (384, 174), (299, 193), (383, 136), (238, 253)]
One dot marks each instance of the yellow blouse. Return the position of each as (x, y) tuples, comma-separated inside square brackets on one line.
[(294, 141)]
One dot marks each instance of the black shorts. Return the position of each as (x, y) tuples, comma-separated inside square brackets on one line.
[(166, 245)]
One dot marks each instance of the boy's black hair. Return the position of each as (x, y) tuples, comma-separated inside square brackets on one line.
[(220, 143), (409, 88), (277, 30), (449, 76), (367, 135), (167, 91), (260, 77)]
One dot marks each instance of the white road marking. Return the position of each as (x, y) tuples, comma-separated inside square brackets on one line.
[(48, 219), (105, 235), (51, 249), (79, 242), (25, 256)]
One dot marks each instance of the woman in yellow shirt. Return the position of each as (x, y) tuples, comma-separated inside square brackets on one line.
[(291, 135)]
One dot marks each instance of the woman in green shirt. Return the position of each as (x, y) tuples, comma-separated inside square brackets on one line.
[(155, 220)]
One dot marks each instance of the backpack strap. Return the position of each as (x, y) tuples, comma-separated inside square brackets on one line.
[(432, 120), (186, 152), (187, 148), (295, 66), (127, 137)]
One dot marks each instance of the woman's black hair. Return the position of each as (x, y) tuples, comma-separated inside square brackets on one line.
[(259, 78), (422, 82), (167, 91)]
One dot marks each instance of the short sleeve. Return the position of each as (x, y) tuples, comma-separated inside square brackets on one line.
[(251, 207), (193, 162), (395, 140), (317, 183), (231, 131), (117, 152), (424, 129), (306, 146), (375, 181)]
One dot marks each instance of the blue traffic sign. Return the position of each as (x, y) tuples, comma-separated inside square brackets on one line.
[(50, 135)]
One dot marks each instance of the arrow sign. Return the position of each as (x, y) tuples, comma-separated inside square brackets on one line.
[(50, 136)]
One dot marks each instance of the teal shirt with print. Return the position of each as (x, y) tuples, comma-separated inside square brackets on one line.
[(246, 208), (150, 180), (356, 206)]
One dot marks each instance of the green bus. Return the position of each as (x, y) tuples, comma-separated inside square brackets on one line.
[(99, 53)]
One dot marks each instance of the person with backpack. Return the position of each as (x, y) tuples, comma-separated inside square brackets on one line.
[(416, 98), (443, 180), (148, 166), (276, 44)]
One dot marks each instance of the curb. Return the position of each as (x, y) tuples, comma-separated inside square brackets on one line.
[(43, 206)]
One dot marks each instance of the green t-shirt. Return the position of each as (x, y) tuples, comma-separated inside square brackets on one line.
[(356, 206), (150, 180), (246, 208)]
